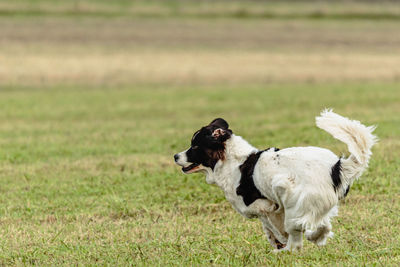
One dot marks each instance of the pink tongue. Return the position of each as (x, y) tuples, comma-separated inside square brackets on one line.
[(188, 168)]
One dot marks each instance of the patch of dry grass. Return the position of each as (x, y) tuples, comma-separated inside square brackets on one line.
[(91, 51), (199, 67)]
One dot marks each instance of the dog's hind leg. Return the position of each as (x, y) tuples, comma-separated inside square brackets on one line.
[(295, 231), (295, 240), (323, 231)]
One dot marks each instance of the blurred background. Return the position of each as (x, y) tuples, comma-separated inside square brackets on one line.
[(125, 42), (151, 63), (97, 96)]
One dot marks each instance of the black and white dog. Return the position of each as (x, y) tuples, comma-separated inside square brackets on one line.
[(290, 190)]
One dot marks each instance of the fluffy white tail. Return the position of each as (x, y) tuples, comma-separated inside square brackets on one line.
[(359, 140)]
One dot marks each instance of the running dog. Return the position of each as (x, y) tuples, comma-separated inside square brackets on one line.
[(291, 190)]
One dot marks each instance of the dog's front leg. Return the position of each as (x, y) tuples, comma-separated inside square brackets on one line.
[(271, 237), (273, 226)]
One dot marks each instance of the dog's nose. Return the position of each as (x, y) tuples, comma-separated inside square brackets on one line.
[(176, 157)]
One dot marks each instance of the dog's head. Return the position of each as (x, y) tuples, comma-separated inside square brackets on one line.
[(206, 149)]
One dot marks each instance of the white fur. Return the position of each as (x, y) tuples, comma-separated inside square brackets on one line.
[(182, 159), (359, 140), (298, 180)]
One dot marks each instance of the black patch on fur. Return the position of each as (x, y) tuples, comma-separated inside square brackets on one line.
[(247, 189), (335, 175)]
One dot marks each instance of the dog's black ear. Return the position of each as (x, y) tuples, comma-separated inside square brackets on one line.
[(220, 131), (220, 123)]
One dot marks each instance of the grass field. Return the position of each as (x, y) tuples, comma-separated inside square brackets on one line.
[(95, 101)]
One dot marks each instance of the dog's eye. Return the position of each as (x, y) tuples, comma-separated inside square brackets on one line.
[(195, 147)]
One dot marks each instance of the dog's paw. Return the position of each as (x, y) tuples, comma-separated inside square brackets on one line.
[(319, 240), (322, 241), (331, 234), (308, 234)]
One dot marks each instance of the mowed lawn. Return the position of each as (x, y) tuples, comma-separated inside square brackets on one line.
[(92, 110)]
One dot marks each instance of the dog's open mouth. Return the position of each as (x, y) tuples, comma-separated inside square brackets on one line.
[(191, 168)]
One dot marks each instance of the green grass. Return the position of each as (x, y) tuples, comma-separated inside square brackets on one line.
[(95, 100), (88, 177)]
